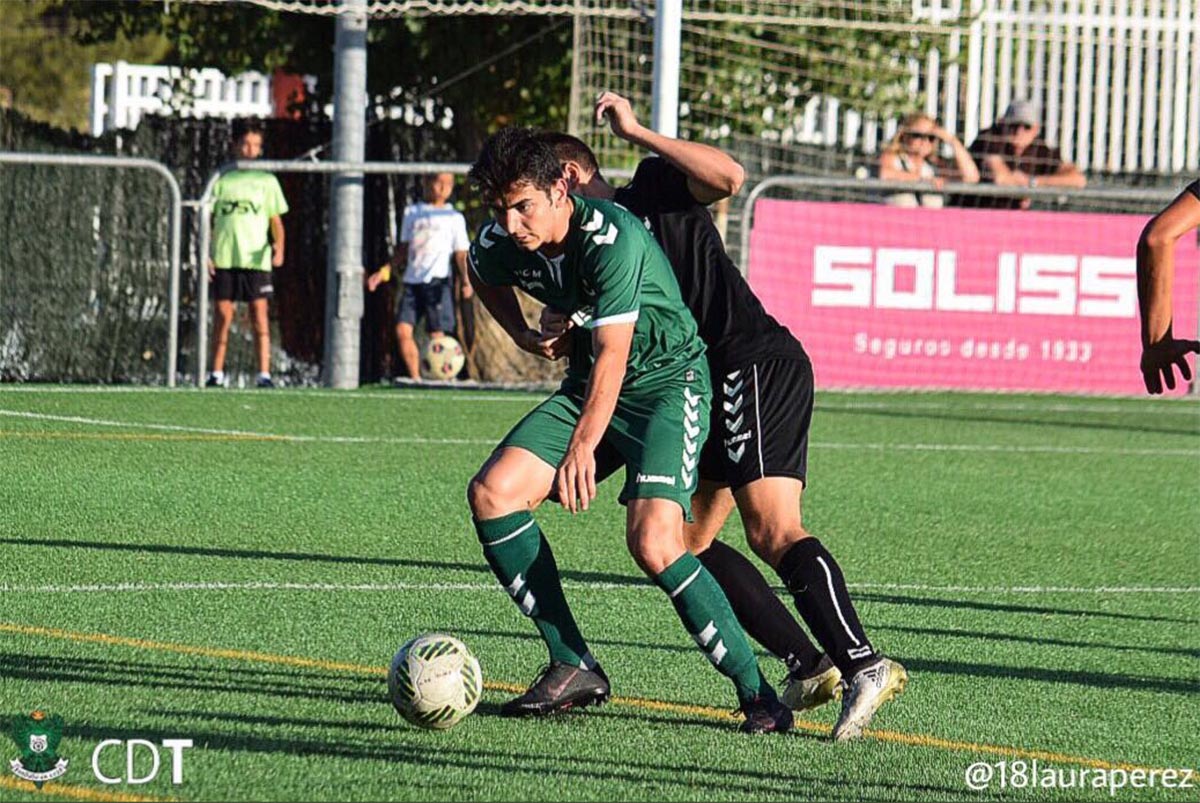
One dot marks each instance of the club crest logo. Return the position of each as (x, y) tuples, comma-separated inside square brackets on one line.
[(38, 735)]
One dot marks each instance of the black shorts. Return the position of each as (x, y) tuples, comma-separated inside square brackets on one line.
[(240, 284), (759, 423), (431, 300)]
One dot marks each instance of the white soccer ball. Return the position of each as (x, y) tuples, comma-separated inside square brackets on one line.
[(434, 681), (443, 358)]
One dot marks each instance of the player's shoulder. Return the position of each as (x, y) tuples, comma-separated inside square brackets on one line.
[(492, 245), (654, 168), (606, 226)]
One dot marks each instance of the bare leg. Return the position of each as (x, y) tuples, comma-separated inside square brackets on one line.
[(222, 319), (407, 346), (261, 321)]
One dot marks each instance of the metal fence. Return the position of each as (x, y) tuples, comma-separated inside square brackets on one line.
[(60, 323)]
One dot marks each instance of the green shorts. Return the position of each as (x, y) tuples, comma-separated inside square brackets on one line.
[(657, 434)]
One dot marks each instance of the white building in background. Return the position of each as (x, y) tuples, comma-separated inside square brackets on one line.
[(122, 93)]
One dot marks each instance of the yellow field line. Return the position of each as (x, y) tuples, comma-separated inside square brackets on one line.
[(131, 436), (59, 790), (912, 739), (188, 649)]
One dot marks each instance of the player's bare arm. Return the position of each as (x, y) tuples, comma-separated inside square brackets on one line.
[(1162, 353), (576, 477), (712, 174), (460, 263), (278, 241)]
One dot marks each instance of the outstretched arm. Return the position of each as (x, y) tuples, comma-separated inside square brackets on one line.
[(711, 173), (1161, 351)]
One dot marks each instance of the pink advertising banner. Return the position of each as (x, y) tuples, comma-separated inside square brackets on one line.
[(961, 298)]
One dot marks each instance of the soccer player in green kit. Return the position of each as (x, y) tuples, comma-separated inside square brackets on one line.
[(641, 383)]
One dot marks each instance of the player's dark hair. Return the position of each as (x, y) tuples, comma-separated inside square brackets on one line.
[(511, 156), (246, 125), (572, 149)]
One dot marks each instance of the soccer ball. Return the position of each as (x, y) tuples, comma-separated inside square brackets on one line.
[(443, 358), (434, 681)]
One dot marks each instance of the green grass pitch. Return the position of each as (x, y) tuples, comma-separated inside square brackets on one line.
[(237, 568)]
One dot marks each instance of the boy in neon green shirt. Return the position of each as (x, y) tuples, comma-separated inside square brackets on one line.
[(247, 204)]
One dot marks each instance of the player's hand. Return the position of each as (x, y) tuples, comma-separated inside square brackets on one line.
[(276, 257), (553, 322), (468, 292), (212, 270), (548, 348), (575, 480), (619, 113), (1160, 360)]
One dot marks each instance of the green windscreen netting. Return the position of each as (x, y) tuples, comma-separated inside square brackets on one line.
[(84, 264)]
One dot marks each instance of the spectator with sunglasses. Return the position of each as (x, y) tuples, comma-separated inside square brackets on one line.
[(912, 156), (1012, 153)]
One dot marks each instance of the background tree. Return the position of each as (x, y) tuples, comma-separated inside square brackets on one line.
[(47, 71), (525, 77)]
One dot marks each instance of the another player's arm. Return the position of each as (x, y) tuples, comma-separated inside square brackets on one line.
[(1161, 352), (576, 477), (712, 174)]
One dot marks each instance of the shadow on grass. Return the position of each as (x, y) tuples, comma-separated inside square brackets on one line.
[(1126, 424), (343, 688), (1183, 652), (313, 557), (533, 768), (1008, 607), (1074, 677)]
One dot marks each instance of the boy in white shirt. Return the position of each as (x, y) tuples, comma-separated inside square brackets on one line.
[(432, 234)]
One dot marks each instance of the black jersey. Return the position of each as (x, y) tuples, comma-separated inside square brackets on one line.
[(733, 323)]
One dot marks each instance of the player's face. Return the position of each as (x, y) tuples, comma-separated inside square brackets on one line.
[(439, 187), (249, 146), (534, 218)]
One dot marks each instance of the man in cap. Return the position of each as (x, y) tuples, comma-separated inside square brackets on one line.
[(1012, 153)]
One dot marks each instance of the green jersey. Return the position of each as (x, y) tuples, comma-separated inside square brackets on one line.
[(612, 271), (244, 201)]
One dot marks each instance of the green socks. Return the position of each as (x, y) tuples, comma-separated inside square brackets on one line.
[(707, 616), (521, 559)]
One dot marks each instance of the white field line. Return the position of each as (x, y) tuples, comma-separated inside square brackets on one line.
[(415, 439), (826, 400), (633, 585), (518, 395), (239, 433)]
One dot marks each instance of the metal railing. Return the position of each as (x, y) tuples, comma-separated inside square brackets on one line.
[(350, 169), (176, 212), (821, 187)]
